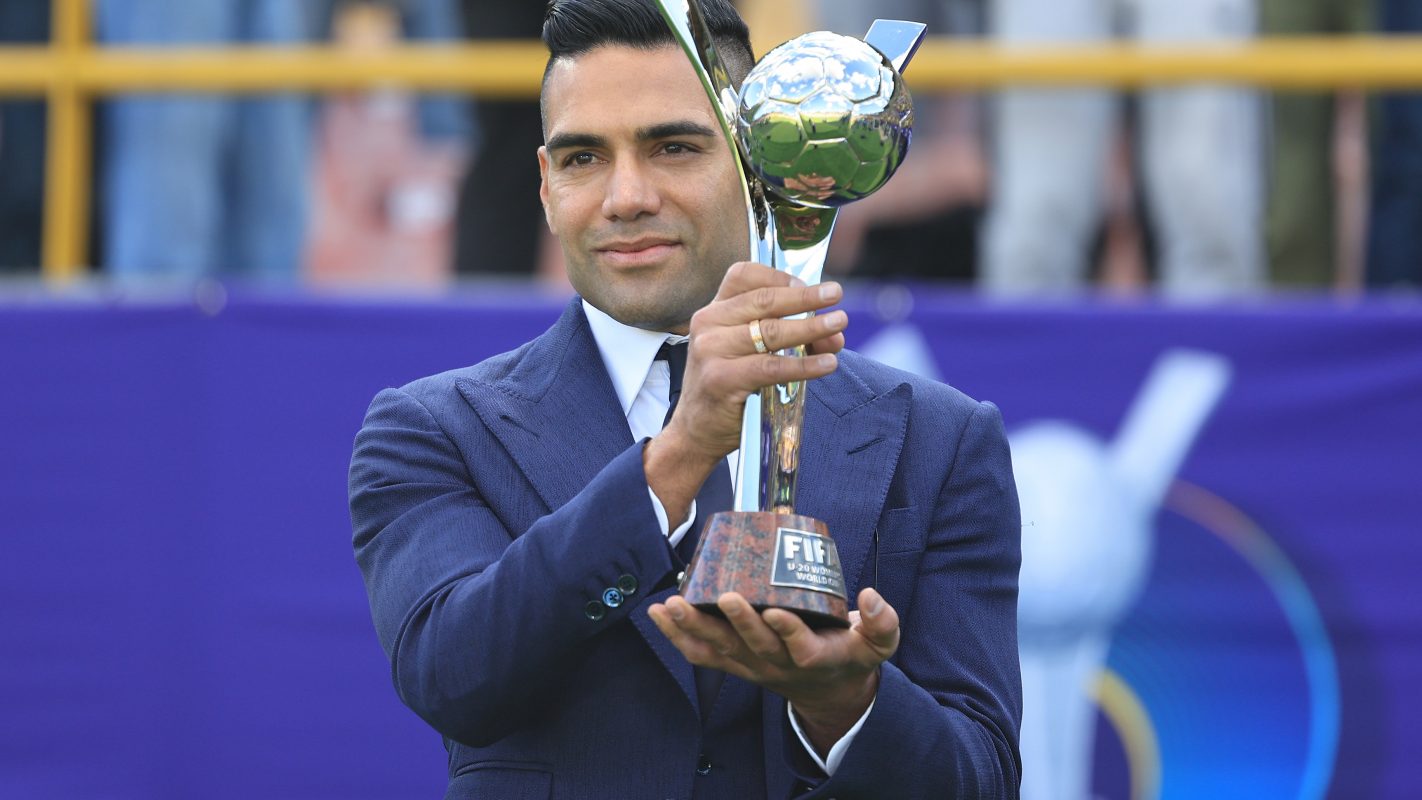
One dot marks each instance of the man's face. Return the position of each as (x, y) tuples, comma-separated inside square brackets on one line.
[(639, 185)]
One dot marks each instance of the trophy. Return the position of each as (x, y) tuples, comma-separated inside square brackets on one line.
[(819, 122)]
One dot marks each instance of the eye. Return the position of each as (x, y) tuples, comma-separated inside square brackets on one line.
[(580, 159), (678, 149)]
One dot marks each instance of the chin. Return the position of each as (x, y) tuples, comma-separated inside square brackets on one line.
[(648, 314)]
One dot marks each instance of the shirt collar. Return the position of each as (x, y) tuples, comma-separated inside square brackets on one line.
[(627, 352)]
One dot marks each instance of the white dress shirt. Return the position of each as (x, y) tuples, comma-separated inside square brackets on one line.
[(643, 385)]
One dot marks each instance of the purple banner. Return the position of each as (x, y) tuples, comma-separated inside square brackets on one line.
[(1221, 523)]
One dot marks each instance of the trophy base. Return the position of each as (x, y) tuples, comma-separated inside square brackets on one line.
[(773, 560)]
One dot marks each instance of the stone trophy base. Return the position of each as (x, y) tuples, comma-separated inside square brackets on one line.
[(773, 560)]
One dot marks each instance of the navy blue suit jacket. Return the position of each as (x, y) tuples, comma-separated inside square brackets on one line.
[(491, 504)]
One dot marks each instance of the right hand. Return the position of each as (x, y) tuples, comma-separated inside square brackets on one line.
[(723, 369)]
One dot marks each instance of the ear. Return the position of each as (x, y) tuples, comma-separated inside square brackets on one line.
[(543, 187)]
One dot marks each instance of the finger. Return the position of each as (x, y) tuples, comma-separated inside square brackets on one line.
[(734, 379), (783, 334), (806, 648), (744, 276), (735, 339), (718, 634), (772, 370), (878, 623), (719, 370), (757, 636), (829, 344), (696, 651), (766, 302)]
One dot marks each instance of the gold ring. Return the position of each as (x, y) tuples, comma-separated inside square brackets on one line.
[(756, 338)]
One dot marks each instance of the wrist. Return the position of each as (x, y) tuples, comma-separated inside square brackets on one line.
[(675, 472), (828, 716), (674, 452)]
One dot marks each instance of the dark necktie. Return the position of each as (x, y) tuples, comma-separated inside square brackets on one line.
[(675, 356), (715, 495)]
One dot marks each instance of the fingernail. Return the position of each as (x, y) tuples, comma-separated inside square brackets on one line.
[(796, 282), (836, 320), (825, 361), (829, 291), (872, 607), (676, 611)]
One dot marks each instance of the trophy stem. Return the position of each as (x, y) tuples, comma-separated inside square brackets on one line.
[(782, 420)]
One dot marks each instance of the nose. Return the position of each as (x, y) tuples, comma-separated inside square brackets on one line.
[(631, 192)]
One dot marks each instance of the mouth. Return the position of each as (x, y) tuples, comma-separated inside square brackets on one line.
[(638, 252)]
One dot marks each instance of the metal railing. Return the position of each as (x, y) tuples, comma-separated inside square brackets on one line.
[(71, 72)]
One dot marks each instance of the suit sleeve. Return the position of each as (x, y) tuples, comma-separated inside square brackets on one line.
[(946, 718), (477, 622)]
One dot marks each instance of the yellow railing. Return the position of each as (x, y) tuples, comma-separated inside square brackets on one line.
[(72, 72)]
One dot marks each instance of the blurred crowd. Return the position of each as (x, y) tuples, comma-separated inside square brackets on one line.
[(1197, 191)]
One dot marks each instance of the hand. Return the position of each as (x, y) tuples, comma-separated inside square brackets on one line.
[(723, 369), (830, 676)]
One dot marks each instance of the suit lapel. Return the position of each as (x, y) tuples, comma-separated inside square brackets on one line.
[(851, 445), (555, 412)]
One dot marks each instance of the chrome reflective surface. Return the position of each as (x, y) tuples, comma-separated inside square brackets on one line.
[(824, 120), (897, 39)]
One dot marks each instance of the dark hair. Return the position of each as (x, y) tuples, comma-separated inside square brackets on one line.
[(573, 27)]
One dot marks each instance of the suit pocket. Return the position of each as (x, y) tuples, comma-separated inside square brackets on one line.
[(501, 780), (900, 532), (894, 560)]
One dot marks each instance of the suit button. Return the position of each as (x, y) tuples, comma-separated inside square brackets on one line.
[(612, 598), (594, 610), (627, 585), (703, 765)]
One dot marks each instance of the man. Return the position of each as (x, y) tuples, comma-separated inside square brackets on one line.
[(517, 521)]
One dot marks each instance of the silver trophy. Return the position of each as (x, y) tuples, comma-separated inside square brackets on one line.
[(820, 121)]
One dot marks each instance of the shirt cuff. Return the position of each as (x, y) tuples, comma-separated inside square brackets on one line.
[(673, 537), (829, 763)]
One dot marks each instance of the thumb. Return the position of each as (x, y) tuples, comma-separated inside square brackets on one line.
[(878, 622)]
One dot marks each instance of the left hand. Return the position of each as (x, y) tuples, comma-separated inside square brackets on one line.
[(830, 676)]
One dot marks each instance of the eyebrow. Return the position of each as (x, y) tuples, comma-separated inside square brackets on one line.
[(564, 141), (651, 133), (668, 130)]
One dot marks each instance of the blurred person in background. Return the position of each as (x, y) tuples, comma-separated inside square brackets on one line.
[(442, 117), (924, 223), (1395, 239), (387, 161), (1199, 149), (200, 186), (22, 131), (1317, 159), (500, 219)]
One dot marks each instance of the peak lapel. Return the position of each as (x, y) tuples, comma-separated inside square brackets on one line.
[(847, 462), (555, 411)]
